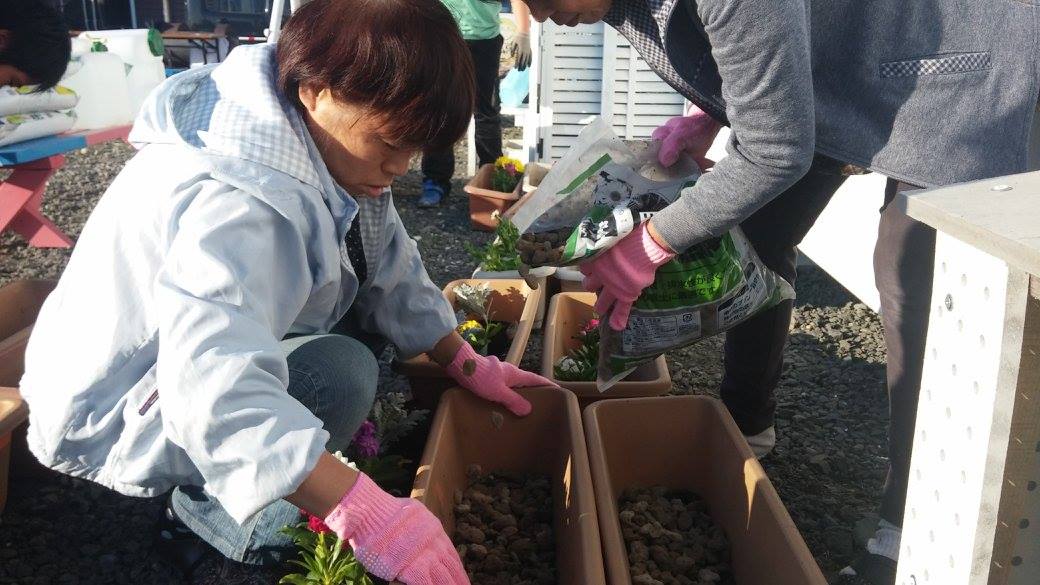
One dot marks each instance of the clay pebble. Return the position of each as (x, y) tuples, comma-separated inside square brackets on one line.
[(671, 539), (503, 529)]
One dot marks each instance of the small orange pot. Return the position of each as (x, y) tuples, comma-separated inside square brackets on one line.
[(483, 200), (567, 313), (512, 301), (692, 443), (468, 430)]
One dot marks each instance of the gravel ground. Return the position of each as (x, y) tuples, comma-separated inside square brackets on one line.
[(828, 466)]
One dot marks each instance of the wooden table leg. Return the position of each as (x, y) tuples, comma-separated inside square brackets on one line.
[(20, 198)]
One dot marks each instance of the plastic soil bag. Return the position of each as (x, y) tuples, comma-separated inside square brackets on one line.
[(26, 100), (21, 127), (597, 194)]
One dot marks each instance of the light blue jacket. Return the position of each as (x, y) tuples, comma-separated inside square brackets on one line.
[(155, 362)]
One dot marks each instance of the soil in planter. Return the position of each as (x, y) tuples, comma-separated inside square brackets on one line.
[(503, 529), (672, 540), (500, 343)]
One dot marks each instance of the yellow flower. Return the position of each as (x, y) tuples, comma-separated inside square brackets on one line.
[(467, 325), (502, 161)]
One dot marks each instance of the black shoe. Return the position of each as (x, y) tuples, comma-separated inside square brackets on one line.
[(869, 569), (176, 544)]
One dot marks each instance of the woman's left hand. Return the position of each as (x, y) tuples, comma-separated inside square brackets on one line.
[(621, 273), (493, 380)]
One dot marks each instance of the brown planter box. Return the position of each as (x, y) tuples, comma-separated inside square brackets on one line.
[(570, 279), (468, 430), (13, 411), (567, 312), (691, 442), (20, 303), (511, 300), (483, 200), (541, 282)]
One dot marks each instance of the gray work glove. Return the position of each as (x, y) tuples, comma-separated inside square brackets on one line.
[(520, 49)]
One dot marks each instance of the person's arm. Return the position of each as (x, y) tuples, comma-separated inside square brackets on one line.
[(234, 277), (523, 17), (399, 301), (763, 55), (520, 48)]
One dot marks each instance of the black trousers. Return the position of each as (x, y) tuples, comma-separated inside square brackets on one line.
[(440, 165), (903, 258)]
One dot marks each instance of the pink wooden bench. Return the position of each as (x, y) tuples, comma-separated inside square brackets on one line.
[(33, 163)]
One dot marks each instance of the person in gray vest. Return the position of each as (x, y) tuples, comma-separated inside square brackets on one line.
[(926, 93)]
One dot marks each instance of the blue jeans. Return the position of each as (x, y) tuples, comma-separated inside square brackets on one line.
[(335, 377)]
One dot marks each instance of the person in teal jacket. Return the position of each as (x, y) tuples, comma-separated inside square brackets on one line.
[(478, 21)]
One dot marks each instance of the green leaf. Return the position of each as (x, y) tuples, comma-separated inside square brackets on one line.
[(294, 579)]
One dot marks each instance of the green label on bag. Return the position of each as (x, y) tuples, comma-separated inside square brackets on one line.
[(599, 164), (702, 274)]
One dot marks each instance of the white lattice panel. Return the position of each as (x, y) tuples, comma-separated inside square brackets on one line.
[(963, 422)]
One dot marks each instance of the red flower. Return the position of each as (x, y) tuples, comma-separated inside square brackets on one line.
[(317, 525)]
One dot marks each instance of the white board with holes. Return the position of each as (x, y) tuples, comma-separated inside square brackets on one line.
[(973, 503)]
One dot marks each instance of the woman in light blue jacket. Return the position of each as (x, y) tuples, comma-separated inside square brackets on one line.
[(187, 345)]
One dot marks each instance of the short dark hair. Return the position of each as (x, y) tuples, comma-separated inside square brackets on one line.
[(404, 60), (38, 42)]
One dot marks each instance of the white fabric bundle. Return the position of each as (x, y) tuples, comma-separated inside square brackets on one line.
[(20, 127), (24, 100)]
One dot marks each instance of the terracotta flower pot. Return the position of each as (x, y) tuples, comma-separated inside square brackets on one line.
[(567, 313), (20, 303), (512, 301), (483, 200), (691, 442), (468, 430)]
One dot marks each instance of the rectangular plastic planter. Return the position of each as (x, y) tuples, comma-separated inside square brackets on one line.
[(691, 442), (483, 200), (511, 300), (539, 318), (20, 303), (570, 279), (468, 430), (567, 312)]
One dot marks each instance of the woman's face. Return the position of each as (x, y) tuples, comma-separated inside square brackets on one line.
[(360, 157), (569, 12)]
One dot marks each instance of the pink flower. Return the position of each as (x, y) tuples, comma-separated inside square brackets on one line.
[(591, 325), (366, 442), (317, 525)]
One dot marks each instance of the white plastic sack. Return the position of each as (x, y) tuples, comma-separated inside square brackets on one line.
[(600, 191), (24, 100), (21, 127)]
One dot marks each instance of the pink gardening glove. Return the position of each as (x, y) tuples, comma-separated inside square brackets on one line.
[(692, 134), (621, 273), (493, 380), (396, 538)]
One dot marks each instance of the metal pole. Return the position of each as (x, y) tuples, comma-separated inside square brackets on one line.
[(133, 14), (86, 17), (277, 9), (93, 9), (166, 10)]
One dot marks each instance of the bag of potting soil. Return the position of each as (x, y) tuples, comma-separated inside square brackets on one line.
[(597, 194)]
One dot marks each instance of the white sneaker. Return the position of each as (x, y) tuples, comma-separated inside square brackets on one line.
[(762, 444)]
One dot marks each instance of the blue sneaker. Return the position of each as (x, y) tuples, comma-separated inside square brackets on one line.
[(432, 193)]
